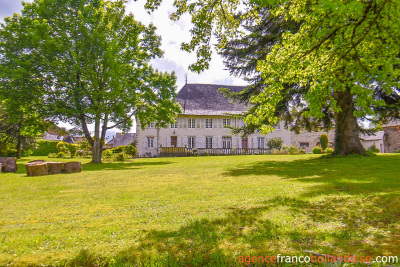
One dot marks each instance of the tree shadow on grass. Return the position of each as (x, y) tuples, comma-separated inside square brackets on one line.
[(344, 175), (251, 232)]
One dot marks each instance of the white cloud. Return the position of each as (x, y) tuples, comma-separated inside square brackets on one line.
[(173, 35)]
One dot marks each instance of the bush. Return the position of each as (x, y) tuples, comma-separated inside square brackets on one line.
[(274, 143), (323, 140), (374, 149), (122, 156), (52, 155), (329, 150), (63, 155), (107, 154), (67, 148), (317, 150), (44, 147), (130, 150), (292, 150)]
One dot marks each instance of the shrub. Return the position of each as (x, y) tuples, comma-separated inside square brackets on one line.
[(44, 147), (63, 155), (317, 150), (52, 155), (122, 156), (130, 150), (323, 140), (107, 154), (206, 154), (67, 148), (374, 149), (274, 143), (292, 150), (275, 151), (329, 150)]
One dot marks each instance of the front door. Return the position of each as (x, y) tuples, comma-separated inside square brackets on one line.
[(174, 141), (244, 143)]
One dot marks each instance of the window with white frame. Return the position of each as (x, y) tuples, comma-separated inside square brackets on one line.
[(226, 142), (191, 123), (260, 142), (209, 142), (152, 125), (226, 122), (150, 142), (174, 125), (278, 126), (191, 142), (209, 123)]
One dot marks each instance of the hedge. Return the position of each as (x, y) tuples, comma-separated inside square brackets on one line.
[(44, 148)]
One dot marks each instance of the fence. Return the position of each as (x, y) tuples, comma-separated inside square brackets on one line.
[(183, 151)]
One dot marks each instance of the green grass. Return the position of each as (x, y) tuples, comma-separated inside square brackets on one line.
[(201, 211)]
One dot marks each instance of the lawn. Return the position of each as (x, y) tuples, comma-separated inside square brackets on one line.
[(201, 211)]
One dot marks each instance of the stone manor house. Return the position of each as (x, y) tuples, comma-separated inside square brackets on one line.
[(202, 127)]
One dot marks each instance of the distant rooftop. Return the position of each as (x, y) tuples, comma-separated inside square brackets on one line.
[(205, 99), (376, 136)]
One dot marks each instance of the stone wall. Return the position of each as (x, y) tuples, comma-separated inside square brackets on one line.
[(312, 138), (392, 139)]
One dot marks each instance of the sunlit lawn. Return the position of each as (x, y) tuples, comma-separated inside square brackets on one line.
[(201, 210)]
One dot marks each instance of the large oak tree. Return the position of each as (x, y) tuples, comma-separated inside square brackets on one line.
[(90, 64), (343, 58)]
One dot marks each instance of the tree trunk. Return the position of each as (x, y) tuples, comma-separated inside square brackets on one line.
[(19, 140), (347, 139), (96, 156), (36, 169)]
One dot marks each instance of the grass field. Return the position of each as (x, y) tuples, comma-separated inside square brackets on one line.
[(201, 211)]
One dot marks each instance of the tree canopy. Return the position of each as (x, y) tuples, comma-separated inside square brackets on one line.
[(341, 60), (89, 63)]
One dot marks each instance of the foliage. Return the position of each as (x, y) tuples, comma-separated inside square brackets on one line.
[(52, 155), (317, 150), (121, 156), (67, 148), (17, 135), (329, 150), (130, 150), (90, 62), (64, 155), (330, 61), (307, 194), (107, 154), (44, 147), (374, 149), (274, 143), (323, 141)]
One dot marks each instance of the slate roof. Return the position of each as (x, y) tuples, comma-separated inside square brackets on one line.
[(205, 99), (392, 123), (122, 139), (377, 136)]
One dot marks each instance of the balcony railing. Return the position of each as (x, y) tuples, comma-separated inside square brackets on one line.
[(183, 151)]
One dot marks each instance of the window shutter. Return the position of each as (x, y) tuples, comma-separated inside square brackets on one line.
[(220, 123), (215, 123)]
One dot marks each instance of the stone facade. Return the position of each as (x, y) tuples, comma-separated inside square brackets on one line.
[(309, 140), (180, 135), (392, 139)]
